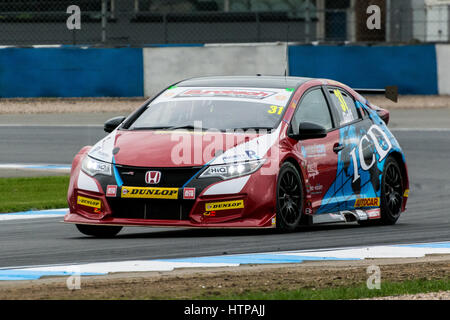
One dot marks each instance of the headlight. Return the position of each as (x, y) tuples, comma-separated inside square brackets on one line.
[(233, 170), (93, 167)]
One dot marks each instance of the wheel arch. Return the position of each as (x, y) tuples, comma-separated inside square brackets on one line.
[(294, 162), (305, 219), (398, 156)]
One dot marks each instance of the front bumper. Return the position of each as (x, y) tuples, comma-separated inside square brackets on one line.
[(252, 207)]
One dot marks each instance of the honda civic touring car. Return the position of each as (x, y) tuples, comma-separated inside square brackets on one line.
[(242, 152)]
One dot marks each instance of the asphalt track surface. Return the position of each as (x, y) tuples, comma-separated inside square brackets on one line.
[(48, 241)]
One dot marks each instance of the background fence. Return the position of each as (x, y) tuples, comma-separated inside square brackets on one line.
[(147, 22)]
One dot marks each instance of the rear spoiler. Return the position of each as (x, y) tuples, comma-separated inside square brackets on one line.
[(390, 92)]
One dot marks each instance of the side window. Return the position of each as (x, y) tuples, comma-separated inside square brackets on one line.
[(344, 105), (313, 108)]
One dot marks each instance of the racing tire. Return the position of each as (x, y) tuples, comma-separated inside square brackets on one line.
[(98, 231), (289, 198), (391, 199)]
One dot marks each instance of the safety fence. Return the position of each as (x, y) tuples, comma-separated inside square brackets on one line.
[(146, 22)]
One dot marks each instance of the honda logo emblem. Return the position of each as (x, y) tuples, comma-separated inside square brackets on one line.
[(152, 177)]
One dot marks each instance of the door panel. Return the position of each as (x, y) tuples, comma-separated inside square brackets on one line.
[(318, 154), (358, 169), (321, 161), (358, 164)]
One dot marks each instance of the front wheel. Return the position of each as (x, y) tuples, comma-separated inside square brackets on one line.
[(289, 198), (98, 231)]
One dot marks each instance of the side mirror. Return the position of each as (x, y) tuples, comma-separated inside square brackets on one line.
[(309, 130), (113, 123)]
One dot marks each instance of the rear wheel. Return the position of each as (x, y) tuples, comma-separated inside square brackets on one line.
[(289, 198), (391, 194), (98, 231)]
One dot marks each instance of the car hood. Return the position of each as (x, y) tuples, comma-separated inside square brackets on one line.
[(181, 148)]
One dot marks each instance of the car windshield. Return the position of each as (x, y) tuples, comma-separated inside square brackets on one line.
[(216, 111)]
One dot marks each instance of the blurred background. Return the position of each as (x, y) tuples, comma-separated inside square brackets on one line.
[(146, 22), (136, 48)]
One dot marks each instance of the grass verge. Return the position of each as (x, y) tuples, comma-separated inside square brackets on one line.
[(346, 293), (39, 193)]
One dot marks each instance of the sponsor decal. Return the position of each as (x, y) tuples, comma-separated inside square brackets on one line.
[(317, 189), (88, 202), (225, 205), (152, 177), (111, 191), (281, 97), (189, 193), (247, 155), (376, 136), (312, 170), (218, 170), (149, 193), (232, 93), (373, 214), (367, 202), (313, 151), (274, 221), (406, 194)]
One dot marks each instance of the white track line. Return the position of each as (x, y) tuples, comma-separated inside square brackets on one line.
[(37, 166), (33, 214)]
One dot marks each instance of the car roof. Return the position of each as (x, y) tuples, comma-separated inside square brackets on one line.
[(276, 82)]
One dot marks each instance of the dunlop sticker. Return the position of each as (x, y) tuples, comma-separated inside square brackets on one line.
[(149, 193), (226, 205), (406, 194), (89, 202), (368, 202)]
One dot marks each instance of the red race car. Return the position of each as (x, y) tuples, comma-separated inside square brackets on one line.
[(242, 152)]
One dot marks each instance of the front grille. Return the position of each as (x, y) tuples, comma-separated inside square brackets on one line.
[(151, 209), (170, 177)]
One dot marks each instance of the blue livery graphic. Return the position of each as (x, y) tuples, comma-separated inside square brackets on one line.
[(360, 164)]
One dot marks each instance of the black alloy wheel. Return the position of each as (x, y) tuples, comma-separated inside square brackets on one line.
[(289, 198), (391, 192), (391, 195)]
